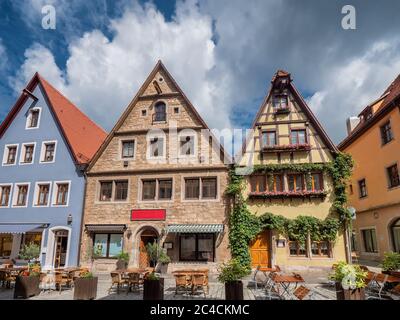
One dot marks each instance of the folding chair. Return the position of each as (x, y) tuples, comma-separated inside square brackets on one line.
[(301, 292), (254, 279)]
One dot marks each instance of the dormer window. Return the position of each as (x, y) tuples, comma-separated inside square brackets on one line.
[(160, 112), (280, 102), (32, 122)]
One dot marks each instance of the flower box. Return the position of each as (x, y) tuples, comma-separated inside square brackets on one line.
[(287, 148), (26, 286), (85, 288), (349, 294), (153, 289), (288, 194)]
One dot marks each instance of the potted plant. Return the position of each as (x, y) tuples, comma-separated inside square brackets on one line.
[(30, 252), (391, 263), (27, 283), (350, 281), (157, 256), (153, 287), (85, 287), (123, 259), (231, 274)]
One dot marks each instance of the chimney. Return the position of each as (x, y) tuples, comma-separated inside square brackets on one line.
[(351, 123)]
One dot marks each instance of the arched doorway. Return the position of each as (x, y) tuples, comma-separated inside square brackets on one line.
[(395, 231), (148, 235)]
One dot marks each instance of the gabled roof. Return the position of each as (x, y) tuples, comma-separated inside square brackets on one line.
[(388, 102), (302, 104), (83, 136), (159, 66)]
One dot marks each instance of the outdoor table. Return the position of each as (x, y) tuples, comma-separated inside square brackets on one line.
[(286, 280)]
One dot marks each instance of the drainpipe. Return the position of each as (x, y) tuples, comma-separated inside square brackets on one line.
[(82, 216)]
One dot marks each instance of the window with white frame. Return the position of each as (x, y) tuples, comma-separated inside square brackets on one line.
[(21, 193), (10, 154), (61, 191), (27, 153), (42, 194), (48, 151), (5, 193), (33, 119)]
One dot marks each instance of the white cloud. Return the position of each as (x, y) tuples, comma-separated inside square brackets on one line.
[(3, 55), (102, 75)]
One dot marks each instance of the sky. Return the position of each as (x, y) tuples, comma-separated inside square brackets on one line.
[(223, 53)]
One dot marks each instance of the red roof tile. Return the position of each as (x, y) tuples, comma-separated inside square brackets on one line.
[(82, 134)]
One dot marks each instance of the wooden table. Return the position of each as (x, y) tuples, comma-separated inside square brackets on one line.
[(285, 280)]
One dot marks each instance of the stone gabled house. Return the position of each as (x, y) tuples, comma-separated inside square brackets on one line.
[(159, 176)]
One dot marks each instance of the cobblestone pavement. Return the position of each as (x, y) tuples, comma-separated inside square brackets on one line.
[(314, 280)]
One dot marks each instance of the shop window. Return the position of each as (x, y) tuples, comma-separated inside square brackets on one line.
[(107, 245), (197, 247), (5, 245)]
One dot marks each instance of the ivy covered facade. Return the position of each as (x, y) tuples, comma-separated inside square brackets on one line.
[(289, 206)]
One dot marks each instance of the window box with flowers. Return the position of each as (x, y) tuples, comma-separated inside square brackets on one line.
[(282, 110), (287, 147), (288, 194)]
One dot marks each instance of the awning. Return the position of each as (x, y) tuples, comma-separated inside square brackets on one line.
[(195, 228), (18, 228), (105, 227)]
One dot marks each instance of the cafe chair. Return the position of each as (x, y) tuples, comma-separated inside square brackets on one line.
[(198, 283), (116, 280), (254, 278), (181, 283), (61, 281), (133, 281)]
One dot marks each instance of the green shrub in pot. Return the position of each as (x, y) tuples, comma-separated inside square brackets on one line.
[(233, 270), (391, 261)]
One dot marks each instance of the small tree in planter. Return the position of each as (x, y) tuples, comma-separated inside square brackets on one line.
[(350, 281), (391, 262), (85, 287), (157, 256), (30, 252), (231, 274), (153, 287), (123, 260)]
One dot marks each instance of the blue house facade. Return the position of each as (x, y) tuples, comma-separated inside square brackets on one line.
[(45, 144)]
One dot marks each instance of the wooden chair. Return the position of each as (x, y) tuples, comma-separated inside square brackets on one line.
[(198, 283), (277, 268), (133, 281), (254, 278), (62, 280), (116, 279), (181, 283), (301, 292)]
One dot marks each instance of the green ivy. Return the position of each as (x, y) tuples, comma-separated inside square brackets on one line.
[(244, 226)]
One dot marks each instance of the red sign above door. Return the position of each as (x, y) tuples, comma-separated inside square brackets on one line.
[(148, 214)]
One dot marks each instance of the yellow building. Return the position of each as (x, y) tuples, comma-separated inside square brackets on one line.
[(374, 191), (286, 135)]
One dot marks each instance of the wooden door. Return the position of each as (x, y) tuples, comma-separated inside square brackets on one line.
[(143, 256), (259, 250)]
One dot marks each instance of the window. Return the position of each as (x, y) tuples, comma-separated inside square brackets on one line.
[(157, 147), (396, 235), (160, 112), (315, 182), (62, 194), (149, 190), (362, 186), (393, 175), (22, 195), (121, 190), (187, 145), (209, 188), (11, 154), (107, 245), (268, 138), (33, 118), (320, 248), (165, 189), (43, 195), (351, 189), (5, 245), (27, 153), (144, 113), (298, 136), (200, 188), (276, 183), (369, 240), (192, 188), (128, 149), (49, 149), (296, 248), (5, 192), (295, 182), (106, 190), (31, 237), (157, 189), (386, 133), (280, 102), (196, 247), (257, 183), (176, 110)]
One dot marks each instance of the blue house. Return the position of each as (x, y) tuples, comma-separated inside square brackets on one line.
[(46, 143)]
